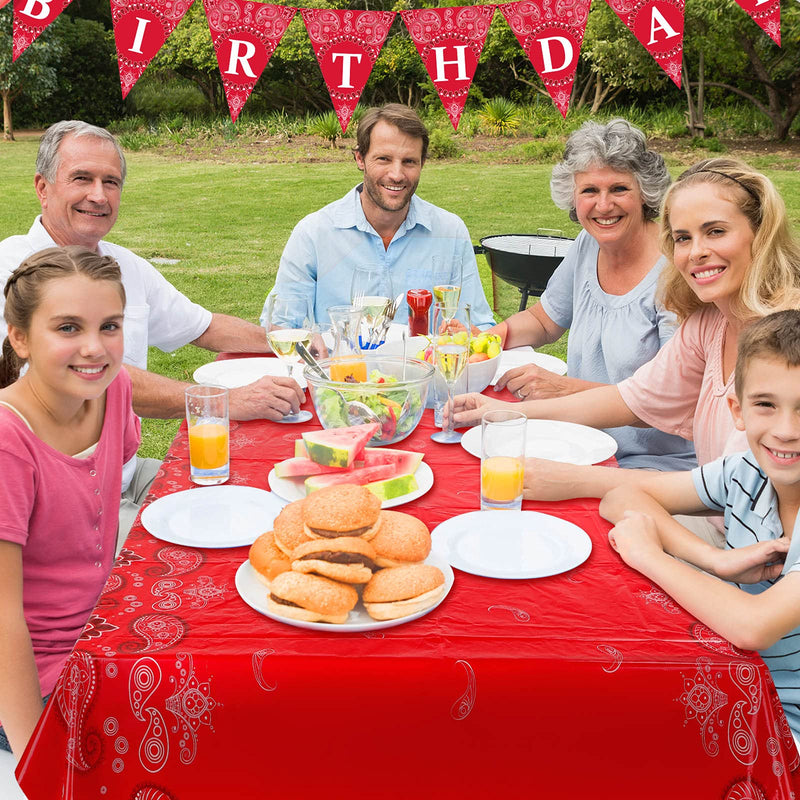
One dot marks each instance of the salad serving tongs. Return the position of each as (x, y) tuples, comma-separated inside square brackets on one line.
[(311, 361)]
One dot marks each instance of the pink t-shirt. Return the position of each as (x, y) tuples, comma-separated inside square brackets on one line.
[(64, 513), (682, 390)]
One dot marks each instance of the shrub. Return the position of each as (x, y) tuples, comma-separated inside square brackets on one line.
[(442, 144), (326, 126), (500, 116), (543, 152), (154, 97)]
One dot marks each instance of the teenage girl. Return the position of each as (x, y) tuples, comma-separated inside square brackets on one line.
[(66, 428)]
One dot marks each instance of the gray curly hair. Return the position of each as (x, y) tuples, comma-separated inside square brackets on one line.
[(618, 145), (47, 157)]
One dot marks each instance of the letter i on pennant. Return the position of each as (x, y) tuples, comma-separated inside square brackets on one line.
[(140, 31), (31, 17)]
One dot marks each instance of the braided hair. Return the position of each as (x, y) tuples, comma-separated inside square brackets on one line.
[(23, 291)]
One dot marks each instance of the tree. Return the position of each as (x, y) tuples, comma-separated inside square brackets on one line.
[(34, 72)]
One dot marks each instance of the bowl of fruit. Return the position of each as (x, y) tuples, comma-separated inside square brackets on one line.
[(393, 395), (484, 359)]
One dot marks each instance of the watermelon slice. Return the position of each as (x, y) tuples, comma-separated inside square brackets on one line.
[(302, 468), (357, 476), (338, 447), (393, 487), (405, 461)]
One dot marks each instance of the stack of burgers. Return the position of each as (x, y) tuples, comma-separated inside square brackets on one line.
[(322, 547)]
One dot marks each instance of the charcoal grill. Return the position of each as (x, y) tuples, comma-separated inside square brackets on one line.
[(525, 260)]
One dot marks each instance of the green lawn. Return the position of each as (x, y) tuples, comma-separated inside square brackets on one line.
[(227, 225)]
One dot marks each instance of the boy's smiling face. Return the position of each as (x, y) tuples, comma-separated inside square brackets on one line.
[(769, 413)]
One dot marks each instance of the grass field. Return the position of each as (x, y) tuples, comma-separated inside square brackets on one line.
[(227, 223)]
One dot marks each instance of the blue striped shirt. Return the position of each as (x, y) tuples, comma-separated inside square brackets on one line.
[(736, 486)]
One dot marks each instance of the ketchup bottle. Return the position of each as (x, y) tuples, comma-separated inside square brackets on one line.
[(419, 303)]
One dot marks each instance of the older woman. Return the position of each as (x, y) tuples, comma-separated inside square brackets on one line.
[(732, 258), (604, 290)]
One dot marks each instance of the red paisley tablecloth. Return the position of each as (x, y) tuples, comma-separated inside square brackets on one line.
[(590, 684)]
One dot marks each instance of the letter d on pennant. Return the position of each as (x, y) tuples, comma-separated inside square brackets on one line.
[(565, 43)]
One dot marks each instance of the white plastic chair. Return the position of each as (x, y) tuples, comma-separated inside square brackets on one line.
[(9, 788)]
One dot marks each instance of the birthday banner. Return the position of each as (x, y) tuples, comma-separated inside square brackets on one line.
[(347, 43)]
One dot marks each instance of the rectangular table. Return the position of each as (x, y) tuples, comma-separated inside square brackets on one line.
[(593, 683)]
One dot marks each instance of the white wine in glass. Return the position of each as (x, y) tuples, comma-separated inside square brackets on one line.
[(289, 322), (450, 357)]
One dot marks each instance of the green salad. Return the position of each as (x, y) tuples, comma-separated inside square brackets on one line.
[(387, 405)]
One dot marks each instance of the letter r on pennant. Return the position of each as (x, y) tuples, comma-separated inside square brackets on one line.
[(241, 58)]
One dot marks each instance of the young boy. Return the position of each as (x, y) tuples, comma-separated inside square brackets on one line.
[(759, 493)]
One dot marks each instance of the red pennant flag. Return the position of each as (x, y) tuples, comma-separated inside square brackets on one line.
[(658, 25), (140, 30), (551, 33), (767, 15), (245, 36), (347, 45), (449, 42), (31, 17)]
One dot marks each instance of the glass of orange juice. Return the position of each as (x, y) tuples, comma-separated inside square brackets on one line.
[(208, 421), (502, 460)]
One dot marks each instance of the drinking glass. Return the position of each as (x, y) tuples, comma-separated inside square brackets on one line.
[(289, 319), (450, 293), (502, 460), (208, 421), (371, 291), (450, 357)]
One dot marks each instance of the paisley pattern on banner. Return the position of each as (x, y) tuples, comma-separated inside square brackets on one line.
[(245, 36), (766, 15), (551, 34), (31, 17), (140, 29), (347, 45), (449, 42), (658, 25)]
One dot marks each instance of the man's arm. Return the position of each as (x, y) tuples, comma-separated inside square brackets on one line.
[(233, 335), (160, 397)]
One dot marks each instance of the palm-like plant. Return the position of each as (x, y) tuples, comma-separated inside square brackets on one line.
[(327, 126), (500, 116)]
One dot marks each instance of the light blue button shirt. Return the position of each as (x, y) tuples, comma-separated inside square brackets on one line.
[(325, 247), (736, 486)]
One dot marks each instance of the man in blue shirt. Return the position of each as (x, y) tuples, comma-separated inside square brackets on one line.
[(382, 222), (759, 494)]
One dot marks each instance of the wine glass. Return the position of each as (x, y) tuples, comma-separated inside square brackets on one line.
[(450, 293), (289, 321), (371, 291), (450, 356)]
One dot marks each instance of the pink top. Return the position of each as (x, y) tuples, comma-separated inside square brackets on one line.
[(682, 390), (64, 513)]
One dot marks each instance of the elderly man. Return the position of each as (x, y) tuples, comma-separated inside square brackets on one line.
[(382, 221), (80, 171)]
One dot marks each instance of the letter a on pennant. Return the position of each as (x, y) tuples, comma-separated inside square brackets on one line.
[(245, 36), (449, 42), (347, 45), (140, 31), (551, 33), (658, 25), (31, 17)]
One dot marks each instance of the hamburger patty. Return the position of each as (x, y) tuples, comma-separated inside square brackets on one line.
[(325, 534), (341, 558)]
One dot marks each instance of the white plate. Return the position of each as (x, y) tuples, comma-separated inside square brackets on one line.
[(212, 516), (511, 544), (234, 372), (556, 441), (521, 356), (292, 489), (254, 593)]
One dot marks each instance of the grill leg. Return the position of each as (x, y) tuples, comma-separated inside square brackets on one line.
[(524, 300), (494, 292)]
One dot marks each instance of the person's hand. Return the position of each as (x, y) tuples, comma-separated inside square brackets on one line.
[(758, 562), (469, 408), (550, 480), (318, 348), (635, 537), (267, 398), (533, 383), (455, 326)]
